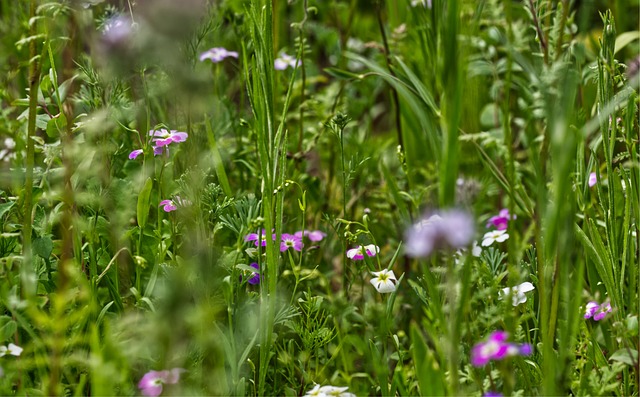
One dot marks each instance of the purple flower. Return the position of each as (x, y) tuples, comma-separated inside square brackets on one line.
[(255, 276), (151, 383), (454, 229), (312, 235), (133, 155), (290, 241), (491, 393), (593, 179), (163, 137), (255, 237), (496, 347), (357, 253), (172, 205), (158, 150), (500, 221), (597, 311), (284, 61), (217, 54), (117, 29)]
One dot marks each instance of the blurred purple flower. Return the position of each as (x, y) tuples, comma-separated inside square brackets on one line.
[(496, 347), (255, 237), (357, 253), (133, 155), (217, 54), (284, 61), (500, 221), (454, 229), (312, 235), (593, 179), (117, 29), (151, 383), (290, 241), (491, 393), (254, 276), (597, 311), (162, 137)]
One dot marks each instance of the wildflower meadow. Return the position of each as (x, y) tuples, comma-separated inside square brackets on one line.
[(319, 197)]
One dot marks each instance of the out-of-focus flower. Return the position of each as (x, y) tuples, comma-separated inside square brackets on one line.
[(254, 277), (329, 391), (172, 205), (424, 3), (11, 349), (357, 253), (312, 235), (117, 30), (284, 61), (134, 154), (517, 292), (491, 393), (151, 383), (593, 179), (493, 236), (7, 153), (384, 281), (454, 229), (290, 241), (217, 54), (501, 220), (162, 137), (597, 311), (496, 347)]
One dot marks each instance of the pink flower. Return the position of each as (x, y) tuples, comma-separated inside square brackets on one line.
[(496, 347), (454, 229), (172, 205), (284, 61), (217, 54), (500, 221), (597, 311), (163, 137), (290, 241), (133, 155), (593, 179), (357, 253), (312, 235), (151, 383)]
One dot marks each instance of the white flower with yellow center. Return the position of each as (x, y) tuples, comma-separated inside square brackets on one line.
[(384, 281)]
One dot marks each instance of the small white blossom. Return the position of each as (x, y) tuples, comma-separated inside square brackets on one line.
[(12, 349), (384, 281), (517, 293), (493, 236)]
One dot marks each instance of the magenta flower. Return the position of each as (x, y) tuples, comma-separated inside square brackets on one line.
[(496, 347), (312, 235), (172, 205), (357, 253), (151, 383), (593, 179), (255, 237), (284, 61), (163, 137), (217, 54), (290, 241), (133, 155), (500, 221), (454, 229), (597, 311)]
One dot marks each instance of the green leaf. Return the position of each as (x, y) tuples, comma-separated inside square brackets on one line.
[(626, 356), (342, 74), (8, 327), (43, 246), (143, 203), (4, 207), (626, 38), (56, 125), (428, 369)]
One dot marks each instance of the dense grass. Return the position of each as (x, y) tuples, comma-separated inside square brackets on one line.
[(485, 152)]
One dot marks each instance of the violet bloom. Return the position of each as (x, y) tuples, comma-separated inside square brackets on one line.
[(454, 229), (290, 241), (312, 235), (255, 237), (597, 311), (117, 29), (151, 383), (162, 137), (255, 276), (593, 179), (496, 347), (284, 61), (500, 221), (491, 393), (133, 155), (357, 253), (217, 54)]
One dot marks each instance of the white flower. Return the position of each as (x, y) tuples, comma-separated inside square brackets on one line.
[(384, 281), (358, 252), (517, 292), (493, 236), (12, 349), (476, 250), (329, 391)]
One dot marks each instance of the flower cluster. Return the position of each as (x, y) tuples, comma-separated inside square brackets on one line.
[(217, 54), (11, 349), (161, 141), (329, 391), (496, 347), (453, 228), (597, 311), (357, 253), (151, 383), (288, 240), (517, 293)]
